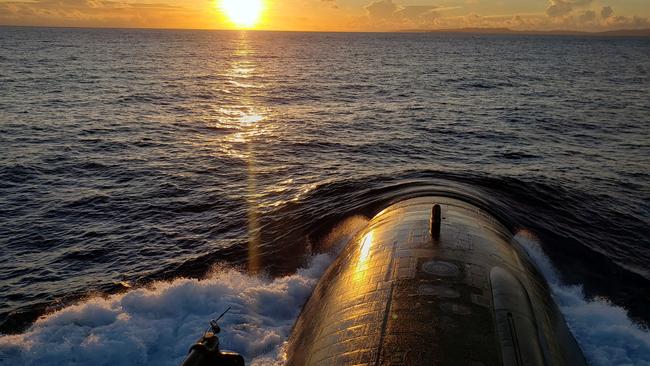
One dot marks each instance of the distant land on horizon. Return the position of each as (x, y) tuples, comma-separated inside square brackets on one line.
[(470, 30), (559, 32)]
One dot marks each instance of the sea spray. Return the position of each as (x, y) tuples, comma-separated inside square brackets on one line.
[(604, 331), (156, 326)]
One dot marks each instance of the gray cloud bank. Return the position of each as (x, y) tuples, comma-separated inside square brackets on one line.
[(559, 14)]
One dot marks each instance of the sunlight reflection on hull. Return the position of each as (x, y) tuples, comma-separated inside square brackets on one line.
[(364, 258)]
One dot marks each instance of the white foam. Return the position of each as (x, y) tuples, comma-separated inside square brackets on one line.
[(604, 331), (156, 326)]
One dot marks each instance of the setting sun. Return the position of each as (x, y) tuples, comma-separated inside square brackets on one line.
[(242, 13)]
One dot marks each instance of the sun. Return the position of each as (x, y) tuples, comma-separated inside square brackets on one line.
[(242, 13)]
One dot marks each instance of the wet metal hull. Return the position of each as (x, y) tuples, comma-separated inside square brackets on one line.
[(463, 295)]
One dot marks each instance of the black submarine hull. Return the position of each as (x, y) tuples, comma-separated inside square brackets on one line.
[(432, 286)]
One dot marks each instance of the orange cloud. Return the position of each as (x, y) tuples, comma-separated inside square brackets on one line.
[(333, 15), (93, 13)]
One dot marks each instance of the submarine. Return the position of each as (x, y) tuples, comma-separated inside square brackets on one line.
[(430, 281)]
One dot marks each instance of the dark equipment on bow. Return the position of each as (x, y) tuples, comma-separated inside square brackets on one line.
[(206, 352)]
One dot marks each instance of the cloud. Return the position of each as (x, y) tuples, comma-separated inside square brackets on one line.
[(388, 13), (587, 17), (333, 3), (560, 8), (418, 14), (382, 10), (622, 22), (585, 20), (89, 13), (580, 15), (606, 12), (383, 15)]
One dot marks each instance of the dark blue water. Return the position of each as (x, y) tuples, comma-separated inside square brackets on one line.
[(133, 156)]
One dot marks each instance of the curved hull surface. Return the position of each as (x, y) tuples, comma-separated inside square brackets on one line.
[(409, 292)]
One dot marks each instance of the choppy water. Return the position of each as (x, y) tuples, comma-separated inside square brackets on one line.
[(129, 157)]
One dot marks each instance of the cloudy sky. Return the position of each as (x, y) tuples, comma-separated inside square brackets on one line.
[(337, 15)]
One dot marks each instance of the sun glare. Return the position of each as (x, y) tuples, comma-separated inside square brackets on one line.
[(242, 13)]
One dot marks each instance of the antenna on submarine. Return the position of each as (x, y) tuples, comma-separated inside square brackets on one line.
[(434, 222), (213, 323), (206, 352)]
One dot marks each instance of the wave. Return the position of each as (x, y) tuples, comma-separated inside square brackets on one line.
[(604, 331), (574, 225), (157, 325)]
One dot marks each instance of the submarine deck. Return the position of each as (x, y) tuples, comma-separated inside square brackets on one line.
[(398, 295)]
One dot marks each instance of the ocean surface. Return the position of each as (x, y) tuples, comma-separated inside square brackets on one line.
[(149, 179)]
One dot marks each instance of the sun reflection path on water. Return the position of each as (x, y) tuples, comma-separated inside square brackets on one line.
[(245, 116), (248, 124), (241, 79), (251, 118)]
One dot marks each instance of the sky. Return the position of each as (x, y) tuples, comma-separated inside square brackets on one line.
[(335, 15)]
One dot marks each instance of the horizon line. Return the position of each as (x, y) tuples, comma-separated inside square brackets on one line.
[(468, 30)]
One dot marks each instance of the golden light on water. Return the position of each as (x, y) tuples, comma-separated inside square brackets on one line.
[(244, 115), (251, 118), (242, 13)]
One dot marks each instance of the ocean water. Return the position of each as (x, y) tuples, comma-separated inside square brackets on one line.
[(149, 179)]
